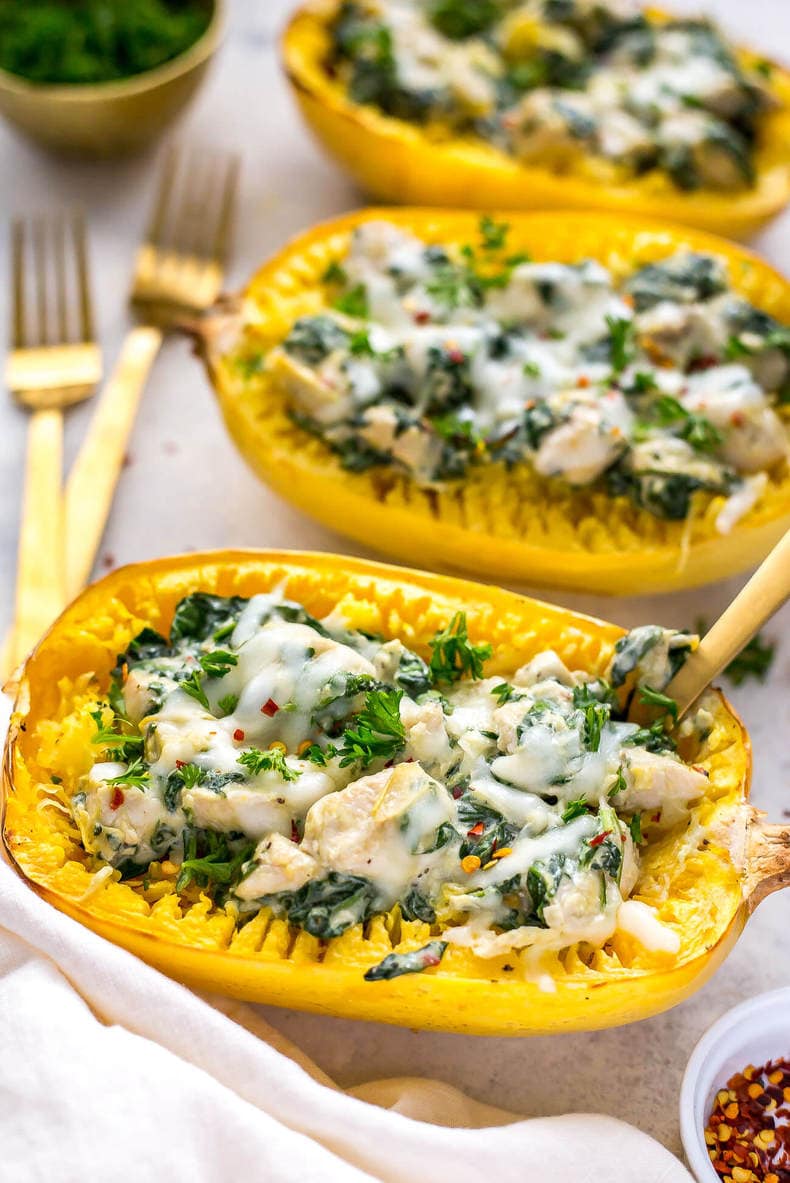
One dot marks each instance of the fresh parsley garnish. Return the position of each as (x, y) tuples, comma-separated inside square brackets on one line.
[(621, 342), (377, 732), (493, 234), (655, 698), (574, 809), (210, 860), (122, 747), (334, 273), (193, 686), (453, 655), (137, 775), (228, 703), (217, 663), (353, 302), (270, 760)]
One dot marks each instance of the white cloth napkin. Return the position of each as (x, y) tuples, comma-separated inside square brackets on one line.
[(110, 1070)]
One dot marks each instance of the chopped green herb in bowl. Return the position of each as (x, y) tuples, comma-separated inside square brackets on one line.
[(101, 77), (85, 41)]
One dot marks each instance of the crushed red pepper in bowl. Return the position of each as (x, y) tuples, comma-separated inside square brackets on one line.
[(748, 1132)]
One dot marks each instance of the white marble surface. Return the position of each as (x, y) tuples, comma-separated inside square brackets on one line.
[(187, 488)]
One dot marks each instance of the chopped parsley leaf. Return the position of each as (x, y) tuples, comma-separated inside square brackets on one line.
[(453, 655)]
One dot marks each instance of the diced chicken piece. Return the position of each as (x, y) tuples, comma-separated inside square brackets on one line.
[(387, 246), (251, 811), (469, 72), (506, 722), (117, 822), (545, 666), (657, 783), (417, 449), (323, 393), (426, 735), (667, 455), (473, 708), (623, 138), (705, 152), (377, 826), (277, 865), (137, 689), (387, 659), (587, 443), (545, 125), (754, 435), (576, 907), (524, 31), (675, 334)]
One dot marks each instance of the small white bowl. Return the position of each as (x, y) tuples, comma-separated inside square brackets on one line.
[(754, 1032)]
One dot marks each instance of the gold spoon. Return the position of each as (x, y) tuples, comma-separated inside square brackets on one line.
[(763, 595)]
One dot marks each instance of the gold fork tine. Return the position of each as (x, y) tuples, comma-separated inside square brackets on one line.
[(45, 378), (39, 248), (178, 273), (156, 231), (18, 282), (84, 295), (229, 189), (198, 198), (59, 245)]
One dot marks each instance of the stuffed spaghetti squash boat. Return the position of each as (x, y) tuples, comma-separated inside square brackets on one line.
[(579, 401), (336, 785), (577, 103)]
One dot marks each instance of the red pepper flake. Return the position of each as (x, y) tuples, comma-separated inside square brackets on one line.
[(456, 357), (746, 1139), (294, 832), (476, 830), (238, 735), (181, 764), (706, 362), (457, 792), (422, 317), (737, 419), (108, 560), (656, 817), (117, 799), (582, 381), (598, 839), (269, 708)]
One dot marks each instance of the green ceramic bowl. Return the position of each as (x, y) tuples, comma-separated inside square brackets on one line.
[(110, 118)]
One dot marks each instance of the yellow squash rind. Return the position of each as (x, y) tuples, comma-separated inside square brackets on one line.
[(395, 161), (696, 878), (512, 526)]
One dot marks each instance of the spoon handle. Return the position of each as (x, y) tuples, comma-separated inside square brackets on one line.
[(763, 595)]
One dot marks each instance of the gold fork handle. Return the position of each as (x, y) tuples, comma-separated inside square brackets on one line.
[(764, 594), (40, 584), (94, 475)]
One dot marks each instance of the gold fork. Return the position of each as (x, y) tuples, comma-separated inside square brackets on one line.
[(54, 362), (178, 274)]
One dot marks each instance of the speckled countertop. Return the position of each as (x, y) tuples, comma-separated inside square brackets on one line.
[(168, 501)]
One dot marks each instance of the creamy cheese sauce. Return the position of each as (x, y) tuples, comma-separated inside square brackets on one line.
[(663, 387), (277, 759), (548, 80)]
